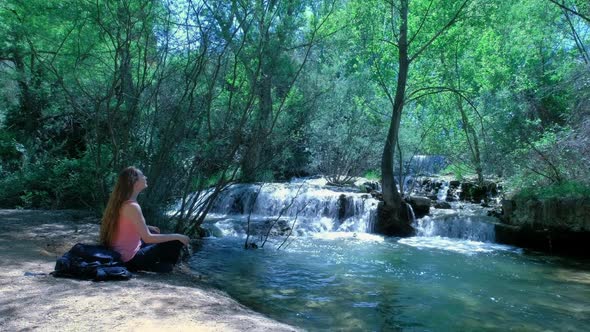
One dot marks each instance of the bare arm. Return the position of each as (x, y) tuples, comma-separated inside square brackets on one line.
[(133, 212)]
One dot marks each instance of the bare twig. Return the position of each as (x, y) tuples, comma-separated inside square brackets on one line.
[(292, 225), (249, 215), (283, 210)]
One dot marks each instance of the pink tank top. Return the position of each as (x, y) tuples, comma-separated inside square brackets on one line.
[(127, 240)]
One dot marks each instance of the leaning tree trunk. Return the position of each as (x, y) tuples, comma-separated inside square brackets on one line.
[(470, 134), (472, 141), (392, 215)]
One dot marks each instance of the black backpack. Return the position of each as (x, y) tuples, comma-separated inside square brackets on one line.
[(87, 261)]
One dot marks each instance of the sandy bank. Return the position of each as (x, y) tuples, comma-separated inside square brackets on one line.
[(31, 299)]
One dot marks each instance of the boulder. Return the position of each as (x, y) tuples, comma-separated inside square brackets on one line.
[(455, 184), (420, 205), (472, 192), (442, 205), (370, 186), (345, 207)]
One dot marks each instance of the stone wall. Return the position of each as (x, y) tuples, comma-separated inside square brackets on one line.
[(557, 226), (565, 214)]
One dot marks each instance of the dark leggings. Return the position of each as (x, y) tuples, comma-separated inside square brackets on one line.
[(158, 257)]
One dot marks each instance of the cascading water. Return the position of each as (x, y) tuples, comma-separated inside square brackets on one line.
[(308, 205), (441, 195), (427, 164), (473, 227), (467, 231)]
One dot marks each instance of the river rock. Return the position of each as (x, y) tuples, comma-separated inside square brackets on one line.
[(442, 205), (495, 212), (377, 195), (454, 184), (451, 195), (370, 186), (471, 192), (345, 207), (476, 192), (420, 205)]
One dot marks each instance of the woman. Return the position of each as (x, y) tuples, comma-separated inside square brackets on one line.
[(123, 228)]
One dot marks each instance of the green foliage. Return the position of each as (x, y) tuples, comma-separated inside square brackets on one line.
[(568, 189), (50, 184), (11, 153), (373, 175), (192, 93), (458, 170), (345, 138)]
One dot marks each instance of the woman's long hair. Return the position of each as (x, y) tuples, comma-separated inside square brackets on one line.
[(121, 193)]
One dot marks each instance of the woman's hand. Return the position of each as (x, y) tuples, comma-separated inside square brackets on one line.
[(184, 239), (154, 229)]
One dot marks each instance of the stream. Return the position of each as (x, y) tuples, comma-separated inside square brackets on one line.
[(331, 273)]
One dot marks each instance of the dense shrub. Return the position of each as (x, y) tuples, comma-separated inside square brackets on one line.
[(51, 183), (563, 190)]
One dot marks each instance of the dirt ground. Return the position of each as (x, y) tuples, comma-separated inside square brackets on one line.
[(31, 299)]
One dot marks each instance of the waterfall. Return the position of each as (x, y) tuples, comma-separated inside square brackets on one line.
[(470, 227), (306, 206), (441, 195), (310, 207), (411, 213), (427, 164)]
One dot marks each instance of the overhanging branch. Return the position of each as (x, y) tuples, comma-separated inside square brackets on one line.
[(566, 8)]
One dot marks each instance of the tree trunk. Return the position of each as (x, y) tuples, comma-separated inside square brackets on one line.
[(392, 219), (470, 134), (255, 156)]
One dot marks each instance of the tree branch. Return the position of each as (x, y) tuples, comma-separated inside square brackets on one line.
[(564, 7), (440, 32), (439, 89), (421, 22)]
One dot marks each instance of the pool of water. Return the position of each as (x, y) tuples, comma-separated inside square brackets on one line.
[(357, 281)]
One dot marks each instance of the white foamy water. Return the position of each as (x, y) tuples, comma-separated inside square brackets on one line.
[(462, 246), (307, 207), (308, 204), (348, 236), (455, 225)]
